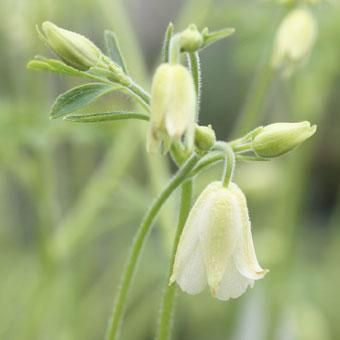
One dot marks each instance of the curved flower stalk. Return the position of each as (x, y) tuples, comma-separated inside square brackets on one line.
[(216, 246)]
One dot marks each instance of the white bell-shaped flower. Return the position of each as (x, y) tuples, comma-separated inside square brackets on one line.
[(216, 246)]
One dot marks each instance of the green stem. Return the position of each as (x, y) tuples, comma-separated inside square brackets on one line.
[(137, 245), (195, 67), (168, 303), (140, 92)]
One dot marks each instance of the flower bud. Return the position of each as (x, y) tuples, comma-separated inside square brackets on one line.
[(73, 48), (191, 39), (173, 107), (295, 38), (216, 245), (205, 137), (276, 139)]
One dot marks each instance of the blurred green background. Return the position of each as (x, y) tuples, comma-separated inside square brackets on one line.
[(72, 195)]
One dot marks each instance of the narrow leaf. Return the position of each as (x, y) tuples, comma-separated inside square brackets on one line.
[(166, 42), (212, 37), (113, 49), (105, 116), (79, 97)]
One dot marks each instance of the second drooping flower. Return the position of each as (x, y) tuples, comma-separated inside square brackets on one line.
[(173, 108)]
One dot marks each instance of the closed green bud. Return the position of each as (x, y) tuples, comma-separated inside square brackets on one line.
[(205, 137), (73, 48), (276, 139), (191, 39), (173, 107)]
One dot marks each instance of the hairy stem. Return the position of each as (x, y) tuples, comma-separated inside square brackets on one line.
[(137, 245), (168, 303)]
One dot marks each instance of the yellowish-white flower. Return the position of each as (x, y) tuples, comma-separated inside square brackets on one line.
[(73, 48), (295, 38), (216, 247), (276, 139), (173, 107)]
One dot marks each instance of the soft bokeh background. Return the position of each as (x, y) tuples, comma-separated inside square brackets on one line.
[(72, 195)]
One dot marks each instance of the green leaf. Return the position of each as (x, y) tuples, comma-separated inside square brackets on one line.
[(53, 65), (79, 97), (105, 116), (166, 42), (113, 49), (212, 37)]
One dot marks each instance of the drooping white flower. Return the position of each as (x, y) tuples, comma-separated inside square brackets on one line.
[(216, 246)]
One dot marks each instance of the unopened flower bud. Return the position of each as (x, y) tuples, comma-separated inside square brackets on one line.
[(205, 137), (191, 39), (73, 48), (216, 246), (295, 38), (173, 107), (276, 139)]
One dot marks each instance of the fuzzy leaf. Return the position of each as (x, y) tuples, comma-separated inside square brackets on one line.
[(79, 97)]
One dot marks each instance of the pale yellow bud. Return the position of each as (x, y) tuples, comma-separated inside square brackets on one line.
[(73, 48), (216, 247), (173, 107), (295, 38), (276, 139), (191, 39)]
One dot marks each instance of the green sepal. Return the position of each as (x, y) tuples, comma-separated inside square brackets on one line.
[(212, 37), (54, 65), (113, 49), (166, 43), (105, 116), (79, 97)]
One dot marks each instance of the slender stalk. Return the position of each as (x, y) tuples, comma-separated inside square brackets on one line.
[(168, 303), (140, 92), (137, 245), (195, 67), (229, 166)]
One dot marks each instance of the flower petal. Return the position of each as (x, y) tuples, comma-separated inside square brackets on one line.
[(245, 257), (233, 283), (219, 233)]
